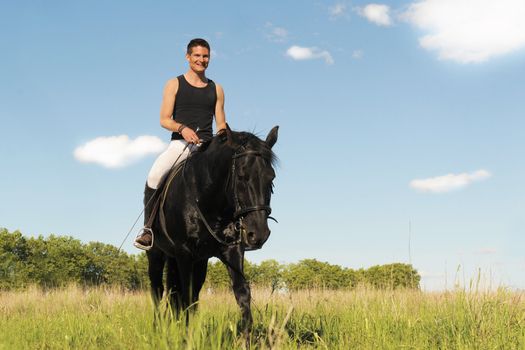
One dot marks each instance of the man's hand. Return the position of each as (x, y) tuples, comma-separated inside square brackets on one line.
[(190, 136)]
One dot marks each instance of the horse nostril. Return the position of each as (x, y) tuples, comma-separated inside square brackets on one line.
[(251, 236)]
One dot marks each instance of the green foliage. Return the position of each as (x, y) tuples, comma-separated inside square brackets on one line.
[(392, 276), (57, 261), (217, 276), (310, 273), (107, 265), (268, 274), (13, 257)]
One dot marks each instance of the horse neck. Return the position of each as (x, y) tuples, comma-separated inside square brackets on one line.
[(211, 172)]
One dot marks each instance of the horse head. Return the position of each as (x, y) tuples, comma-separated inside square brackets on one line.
[(251, 184)]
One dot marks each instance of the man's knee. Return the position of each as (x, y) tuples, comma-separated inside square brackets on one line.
[(154, 178)]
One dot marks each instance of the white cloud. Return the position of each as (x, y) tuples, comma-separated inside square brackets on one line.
[(448, 182), (280, 33), (337, 10), (276, 34), (376, 13), (118, 151), (357, 54), (469, 31), (309, 53)]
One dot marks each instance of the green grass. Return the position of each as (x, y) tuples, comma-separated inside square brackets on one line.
[(73, 318)]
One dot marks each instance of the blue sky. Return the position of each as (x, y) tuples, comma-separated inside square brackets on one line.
[(389, 113)]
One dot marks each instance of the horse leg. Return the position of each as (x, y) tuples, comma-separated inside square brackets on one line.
[(200, 268), (156, 261), (185, 273), (173, 285), (234, 261)]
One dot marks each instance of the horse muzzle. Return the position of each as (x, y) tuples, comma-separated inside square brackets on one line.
[(253, 240), (254, 244)]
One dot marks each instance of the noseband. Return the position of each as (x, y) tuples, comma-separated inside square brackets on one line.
[(240, 211)]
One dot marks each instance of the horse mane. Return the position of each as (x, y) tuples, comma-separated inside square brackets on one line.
[(239, 139)]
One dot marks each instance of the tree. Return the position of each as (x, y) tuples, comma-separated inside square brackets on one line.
[(393, 276), (13, 258), (217, 276), (310, 273), (268, 274), (56, 261)]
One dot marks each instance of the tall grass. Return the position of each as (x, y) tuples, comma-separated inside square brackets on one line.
[(74, 318)]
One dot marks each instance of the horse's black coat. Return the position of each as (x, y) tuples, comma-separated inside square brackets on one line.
[(208, 180)]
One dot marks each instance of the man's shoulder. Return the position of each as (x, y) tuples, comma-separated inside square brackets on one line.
[(218, 86), (174, 80), (172, 84)]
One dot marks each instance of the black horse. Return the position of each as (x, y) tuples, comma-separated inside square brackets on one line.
[(217, 205)]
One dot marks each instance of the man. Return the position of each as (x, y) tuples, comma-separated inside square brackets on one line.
[(189, 104)]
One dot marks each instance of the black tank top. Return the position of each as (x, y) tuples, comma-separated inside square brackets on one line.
[(195, 108)]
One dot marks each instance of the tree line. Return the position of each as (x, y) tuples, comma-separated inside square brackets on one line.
[(56, 261)]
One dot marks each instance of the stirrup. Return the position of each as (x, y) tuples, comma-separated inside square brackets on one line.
[(141, 232)]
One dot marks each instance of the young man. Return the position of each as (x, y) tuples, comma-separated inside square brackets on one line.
[(189, 104)]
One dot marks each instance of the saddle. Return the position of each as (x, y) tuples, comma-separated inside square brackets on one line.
[(165, 185)]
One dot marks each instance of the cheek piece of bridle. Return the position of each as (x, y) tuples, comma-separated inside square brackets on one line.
[(240, 211)]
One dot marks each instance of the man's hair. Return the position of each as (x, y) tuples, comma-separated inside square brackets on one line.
[(197, 42)]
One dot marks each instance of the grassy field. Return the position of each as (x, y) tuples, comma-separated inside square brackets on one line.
[(360, 319)]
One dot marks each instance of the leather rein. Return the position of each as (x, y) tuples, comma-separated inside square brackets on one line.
[(240, 212)]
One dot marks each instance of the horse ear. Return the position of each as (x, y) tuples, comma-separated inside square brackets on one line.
[(271, 139), (229, 136)]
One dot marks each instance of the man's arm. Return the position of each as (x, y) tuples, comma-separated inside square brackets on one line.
[(220, 117), (166, 111)]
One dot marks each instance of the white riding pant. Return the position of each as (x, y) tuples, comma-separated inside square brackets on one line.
[(176, 151)]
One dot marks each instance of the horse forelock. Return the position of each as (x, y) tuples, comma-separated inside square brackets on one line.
[(254, 143)]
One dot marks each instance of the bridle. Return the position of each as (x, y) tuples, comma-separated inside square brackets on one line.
[(240, 211)]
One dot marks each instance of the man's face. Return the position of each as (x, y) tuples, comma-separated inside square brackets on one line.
[(198, 59)]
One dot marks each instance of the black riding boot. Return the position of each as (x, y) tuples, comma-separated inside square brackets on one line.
[(145, 240)]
